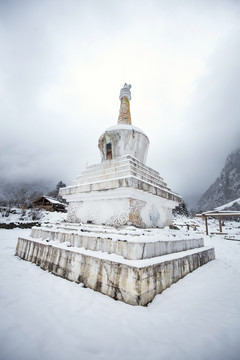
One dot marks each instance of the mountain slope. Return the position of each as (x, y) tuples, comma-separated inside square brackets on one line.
[(226, 188), (21, 193), (232, 205)]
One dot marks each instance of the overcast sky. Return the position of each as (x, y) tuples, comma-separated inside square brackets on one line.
[(62, 64)]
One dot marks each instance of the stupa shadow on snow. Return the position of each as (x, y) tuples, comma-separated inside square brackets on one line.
[(135, 263)]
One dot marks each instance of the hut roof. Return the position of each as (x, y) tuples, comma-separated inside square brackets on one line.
[(50, 200)]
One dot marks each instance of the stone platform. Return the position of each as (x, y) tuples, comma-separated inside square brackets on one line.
[(131, 265)]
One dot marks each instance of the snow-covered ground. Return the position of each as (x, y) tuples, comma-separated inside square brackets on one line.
[(46, 317), (15, 215)]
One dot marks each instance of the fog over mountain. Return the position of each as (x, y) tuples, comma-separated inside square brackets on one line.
[(226, 187), (22, 194), (62, 64)]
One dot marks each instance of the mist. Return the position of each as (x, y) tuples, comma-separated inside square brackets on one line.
[(62, 65)]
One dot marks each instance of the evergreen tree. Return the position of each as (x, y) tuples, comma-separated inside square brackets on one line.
[(54, 193), (181, 209)]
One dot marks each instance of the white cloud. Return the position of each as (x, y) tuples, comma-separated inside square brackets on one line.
[(63, 64)]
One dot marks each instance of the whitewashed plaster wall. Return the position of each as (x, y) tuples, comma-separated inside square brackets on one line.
[(118, 212), (125, 140)]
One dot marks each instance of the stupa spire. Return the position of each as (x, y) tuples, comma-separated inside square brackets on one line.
[(124, 113)]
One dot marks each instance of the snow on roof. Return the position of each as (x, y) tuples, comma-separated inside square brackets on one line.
[(53, 201), (219, 213)]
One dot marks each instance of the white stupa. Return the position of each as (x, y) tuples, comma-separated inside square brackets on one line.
[(94, 247), (121, 189)]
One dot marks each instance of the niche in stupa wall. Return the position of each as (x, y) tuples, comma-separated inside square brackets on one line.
[(108, 141), (124, 141)]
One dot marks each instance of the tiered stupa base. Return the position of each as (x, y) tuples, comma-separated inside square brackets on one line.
[(119, 192), (131, 265)]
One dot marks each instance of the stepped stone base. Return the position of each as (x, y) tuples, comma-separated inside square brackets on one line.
[(130, 277), (119, 192), (127, 243)]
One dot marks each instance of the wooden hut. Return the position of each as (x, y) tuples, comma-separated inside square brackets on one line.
[(49, 204)]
